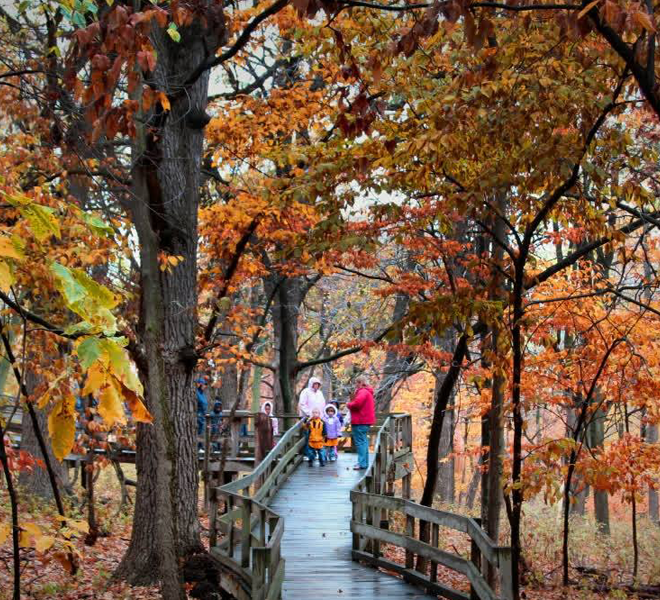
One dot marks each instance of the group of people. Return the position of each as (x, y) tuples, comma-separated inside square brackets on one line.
[(324, 423)]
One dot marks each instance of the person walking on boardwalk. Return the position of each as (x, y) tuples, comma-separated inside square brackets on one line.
[(332, 432), (363, 415), (310, 398), (316, 441)]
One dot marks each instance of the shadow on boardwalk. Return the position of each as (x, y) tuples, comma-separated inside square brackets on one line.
[(316, 506)]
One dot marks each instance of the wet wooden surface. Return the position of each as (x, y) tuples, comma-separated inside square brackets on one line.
[(317, 539)]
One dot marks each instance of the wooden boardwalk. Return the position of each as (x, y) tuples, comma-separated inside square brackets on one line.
[(317, 540)]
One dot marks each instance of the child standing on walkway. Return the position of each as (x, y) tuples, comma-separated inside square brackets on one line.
[(316, 428), (332, 432)]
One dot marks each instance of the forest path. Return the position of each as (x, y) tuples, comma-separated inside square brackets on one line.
[(315, 503)]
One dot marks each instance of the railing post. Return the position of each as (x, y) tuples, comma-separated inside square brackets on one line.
[(207, 453), (231, 534), (410, 521), (213, 514), (505, 567), (435, 541), (475, 558), (259, 560), (246, 534), (357, 513)]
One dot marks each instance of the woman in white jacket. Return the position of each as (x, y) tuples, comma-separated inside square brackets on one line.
[(311, 398)]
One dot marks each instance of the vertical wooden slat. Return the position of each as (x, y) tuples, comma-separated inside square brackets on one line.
[(410, 521), (207, 454), (213, 514), (505, 566), (231, 534), (475, 558), (435, 541), (246, 537)]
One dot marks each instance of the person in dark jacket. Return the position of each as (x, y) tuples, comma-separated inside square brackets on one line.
[(202, 405), (363, 416)]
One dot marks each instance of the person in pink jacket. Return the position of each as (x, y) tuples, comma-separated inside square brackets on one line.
[(363, 415)]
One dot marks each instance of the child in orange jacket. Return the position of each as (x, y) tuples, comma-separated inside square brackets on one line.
[(316, 428)]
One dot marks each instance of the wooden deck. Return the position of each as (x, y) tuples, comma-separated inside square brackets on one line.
[(317, 540)]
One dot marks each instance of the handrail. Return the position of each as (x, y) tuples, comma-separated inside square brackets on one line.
[(373, 501), (251, 551)]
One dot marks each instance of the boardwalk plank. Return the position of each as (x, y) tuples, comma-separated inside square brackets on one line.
[(317, 539)]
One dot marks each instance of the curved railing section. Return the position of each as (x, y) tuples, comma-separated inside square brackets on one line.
[(251, 533), (375, 503)]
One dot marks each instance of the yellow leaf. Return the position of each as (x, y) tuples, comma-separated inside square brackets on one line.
[(5, 531), (80, 526), (111, 407), (62, 426), (8, 250), (6, 277), (96, 379), (135, 404), (28, 531), (44, 542)]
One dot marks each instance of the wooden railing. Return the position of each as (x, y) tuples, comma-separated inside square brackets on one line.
[(251, 532), (374, 504)]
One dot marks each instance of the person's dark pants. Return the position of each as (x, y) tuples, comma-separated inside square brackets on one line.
[(313, 452), (361, 443)]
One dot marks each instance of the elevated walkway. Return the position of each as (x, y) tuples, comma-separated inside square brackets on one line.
[(317, 539), (296, 532)]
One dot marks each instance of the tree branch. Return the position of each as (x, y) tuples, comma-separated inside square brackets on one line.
[(229, 273), (240, 42)]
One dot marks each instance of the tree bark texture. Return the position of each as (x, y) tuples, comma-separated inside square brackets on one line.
[(166, 180)]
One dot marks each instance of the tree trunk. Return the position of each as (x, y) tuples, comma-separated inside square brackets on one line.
[(493, 422), (165, 185), (601, 497), (446, 474), (652, 438)]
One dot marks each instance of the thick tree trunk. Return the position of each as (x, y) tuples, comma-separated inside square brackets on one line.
[(166, 180), (446, 474)]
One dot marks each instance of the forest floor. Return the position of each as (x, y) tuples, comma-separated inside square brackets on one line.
[(601, 565)]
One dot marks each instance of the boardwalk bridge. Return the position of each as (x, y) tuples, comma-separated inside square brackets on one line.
[(293, 532)]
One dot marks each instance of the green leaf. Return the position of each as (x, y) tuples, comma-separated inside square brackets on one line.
[(173, 32), (89, 351), (97, 224), (79, 20), (42, 221)]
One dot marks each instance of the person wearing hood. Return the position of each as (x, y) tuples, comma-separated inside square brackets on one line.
[(332, 432), (311, 398), (202, 405), (363, 415), (267, 409)]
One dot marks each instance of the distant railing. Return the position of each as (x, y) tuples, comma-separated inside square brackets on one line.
[(374, 503), (252, 533)]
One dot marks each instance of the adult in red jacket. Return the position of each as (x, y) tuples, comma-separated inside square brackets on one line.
[(363, 415)]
